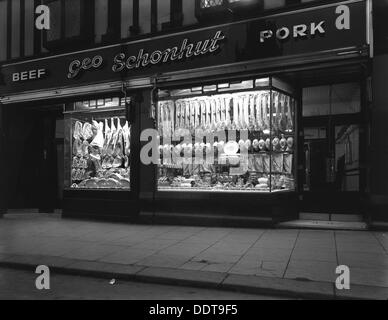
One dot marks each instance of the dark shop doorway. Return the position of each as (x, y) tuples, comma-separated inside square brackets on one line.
[(34, 141)]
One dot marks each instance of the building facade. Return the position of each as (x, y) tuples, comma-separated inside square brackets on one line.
[(287, 98)]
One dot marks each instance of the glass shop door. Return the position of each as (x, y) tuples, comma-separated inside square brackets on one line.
[(332, 124)]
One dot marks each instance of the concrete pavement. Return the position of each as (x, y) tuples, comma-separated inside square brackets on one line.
[(270, 261), (19, 285)]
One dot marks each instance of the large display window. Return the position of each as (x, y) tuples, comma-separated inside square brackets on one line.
[(97, 145), (228, 137)]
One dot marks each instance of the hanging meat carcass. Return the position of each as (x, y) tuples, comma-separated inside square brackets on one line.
[(252, 114), (283, 116), (275, 111), (228, 109), (77, 143), (118, 147), (107, 137), (87, 131), (98, 140), (290, 103), (127, 143), (235, 121), (266, 111), (208, 115), (246, 111)]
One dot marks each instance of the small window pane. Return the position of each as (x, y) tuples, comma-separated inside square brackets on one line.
[(210, 3), (55, 21), (316, 101), (73, 18), (341, 98)]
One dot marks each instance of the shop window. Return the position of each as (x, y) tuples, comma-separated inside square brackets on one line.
[(210, 3), (113, 32), (219, 9), (344, 98), (71, 24), (101, 15), (3, 30), (144, 16), (97, 145), (189, 17), (126, 17), (227, 137), (170, 15)]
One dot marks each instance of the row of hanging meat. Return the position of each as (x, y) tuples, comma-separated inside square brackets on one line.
[(238, 111), (109, 137)]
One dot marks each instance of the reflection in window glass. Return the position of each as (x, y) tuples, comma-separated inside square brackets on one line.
[(72, 18), (346, 98), (347, 157), (341, 98), (55, 21), (145, 16)]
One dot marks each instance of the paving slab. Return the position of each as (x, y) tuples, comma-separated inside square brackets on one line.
[(216, 258), (165, 260), (317, 254), (268, 254), (368, 276), (311, 270), (128, 256), (193, 265), (92, 252), (218, 267), (282, 260), (364, 259)]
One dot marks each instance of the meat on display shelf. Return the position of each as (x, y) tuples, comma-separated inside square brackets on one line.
[(212, 190)]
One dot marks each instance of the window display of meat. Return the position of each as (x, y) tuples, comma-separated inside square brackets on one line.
[(101, 149), (262, 121)]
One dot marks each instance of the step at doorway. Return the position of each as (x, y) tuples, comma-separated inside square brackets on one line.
[(331, 217), (327, 221)]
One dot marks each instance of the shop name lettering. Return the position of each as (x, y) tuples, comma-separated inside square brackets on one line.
[(187, 50), (143, 59), (34, 74), (304, 30)]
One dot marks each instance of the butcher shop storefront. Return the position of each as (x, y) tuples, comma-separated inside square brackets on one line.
[(262, 118)]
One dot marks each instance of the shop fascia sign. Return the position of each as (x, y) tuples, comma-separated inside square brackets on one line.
[(186, 49), (143, 59), (331, 28), (342, 22)]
